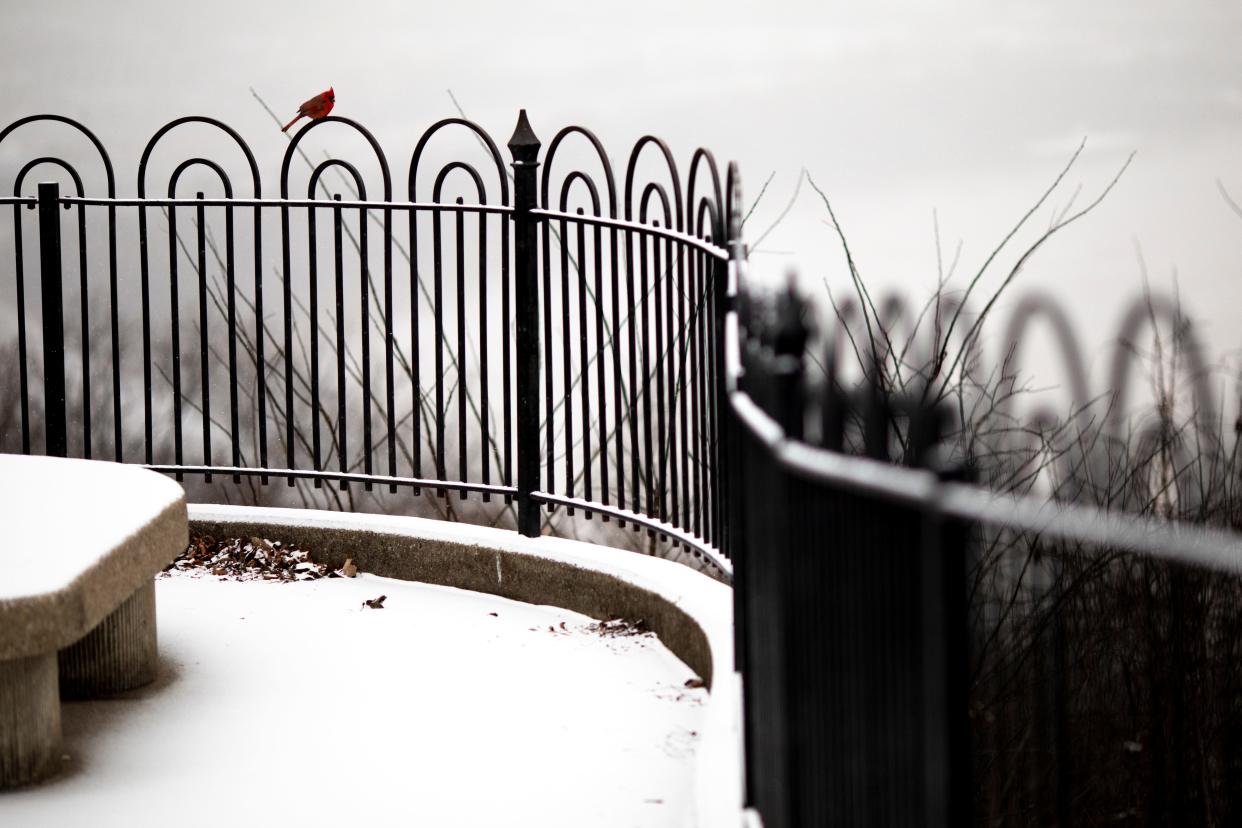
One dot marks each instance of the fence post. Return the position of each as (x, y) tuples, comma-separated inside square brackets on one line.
[(56, 433), (789, 336), (728, 285), (943, 564), (524, 147)]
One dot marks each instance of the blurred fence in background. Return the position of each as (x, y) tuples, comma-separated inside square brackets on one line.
[(918, 650)]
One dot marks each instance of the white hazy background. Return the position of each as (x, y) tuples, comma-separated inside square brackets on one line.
[(898, 109)]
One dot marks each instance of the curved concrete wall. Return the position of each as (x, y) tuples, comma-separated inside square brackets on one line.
[(690, 612)]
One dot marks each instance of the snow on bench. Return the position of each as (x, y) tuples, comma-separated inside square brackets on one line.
[(81, 543)]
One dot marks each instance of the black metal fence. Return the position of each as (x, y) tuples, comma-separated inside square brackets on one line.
[(550, 339), (914, 649), (917, 650)]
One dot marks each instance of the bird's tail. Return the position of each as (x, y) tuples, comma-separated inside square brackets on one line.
[(291, 123)]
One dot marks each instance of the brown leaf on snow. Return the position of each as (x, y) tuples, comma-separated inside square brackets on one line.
[(375, 603), (695, 682)]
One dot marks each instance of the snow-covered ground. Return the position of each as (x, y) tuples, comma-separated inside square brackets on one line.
[(283, 704)]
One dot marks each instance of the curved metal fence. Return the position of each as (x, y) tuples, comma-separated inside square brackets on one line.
[(543, 337), (557, 340), (918, 650)]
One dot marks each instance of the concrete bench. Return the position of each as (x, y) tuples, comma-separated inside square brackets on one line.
[(80, 544)]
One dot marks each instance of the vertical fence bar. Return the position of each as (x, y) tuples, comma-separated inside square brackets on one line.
[(287, 296), (260, 363), (618, 400), (584, 357), (524, 147), (416, 385), (718, 476), (600, 392), (632, 361), (118, 452), (485, 442), (645, 340), (57, 437), (390, 391), (145, 293), (84, 305), (200, 217), (437, 304), (312, 276), (697, 448), (506, 356), (567, 399), (338, 264), (668, 472), (364, 298), (549, 431), (947, 759), (683, 380), (661, 443), (23, 382), (674, 325), (174, 305), (230, 288), (459, 238), (1060, 713)]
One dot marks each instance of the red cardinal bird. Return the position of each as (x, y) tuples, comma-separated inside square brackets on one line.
[(316, 108)]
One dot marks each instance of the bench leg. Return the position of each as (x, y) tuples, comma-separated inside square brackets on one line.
[(29, 720), (118, 655)]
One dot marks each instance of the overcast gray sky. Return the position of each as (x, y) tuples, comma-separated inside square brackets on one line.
[(896, 108)]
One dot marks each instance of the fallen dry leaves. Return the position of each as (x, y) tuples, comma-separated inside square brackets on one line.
[(619, 628), (252, 559)]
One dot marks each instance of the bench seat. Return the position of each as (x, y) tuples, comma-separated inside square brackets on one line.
[(80, 544)]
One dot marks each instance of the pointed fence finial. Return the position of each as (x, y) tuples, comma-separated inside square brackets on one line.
[(524, 144), (733, 205), (790, 330), (788, 339)]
